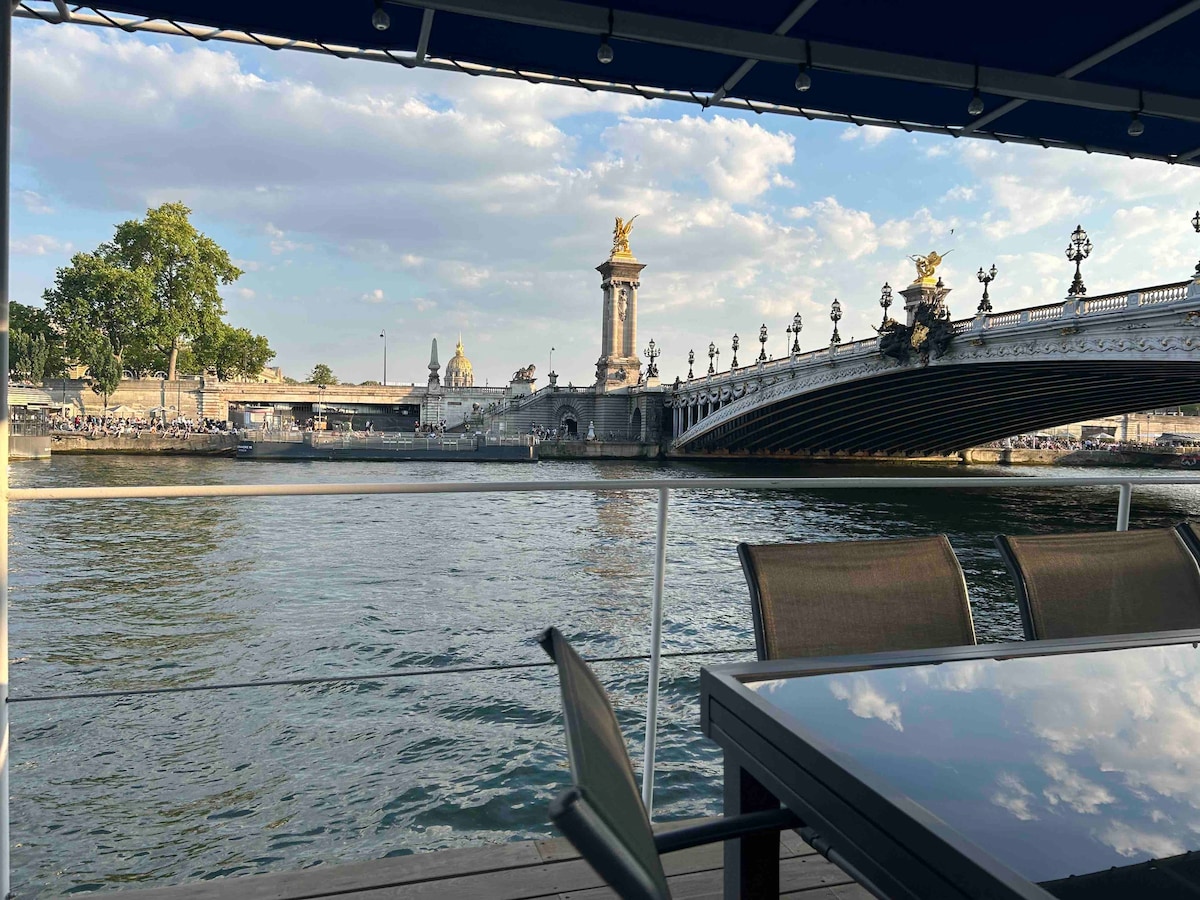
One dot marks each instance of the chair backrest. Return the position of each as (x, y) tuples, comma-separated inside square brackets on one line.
[(1106, 582), (602, 815), (841, 597)]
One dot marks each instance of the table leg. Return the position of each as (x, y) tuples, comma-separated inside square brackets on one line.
[(751, 863)]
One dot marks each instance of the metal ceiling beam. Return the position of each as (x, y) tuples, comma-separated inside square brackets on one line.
[(427, 27), (1094, 60), (563, 15), (743, 70)]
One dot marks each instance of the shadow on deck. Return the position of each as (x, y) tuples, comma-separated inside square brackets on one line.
[(528, 870)]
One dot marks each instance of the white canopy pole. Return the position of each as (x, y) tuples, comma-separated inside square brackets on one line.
[(5, 148)]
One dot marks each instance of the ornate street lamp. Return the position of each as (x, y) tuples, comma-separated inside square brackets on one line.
[(885, 300), (794, 330), (712, 352), (1196, 225), (762, 339), (691, 360), (652, 353), (1079, 249), (986, 278), (835, 314), (735, 348)]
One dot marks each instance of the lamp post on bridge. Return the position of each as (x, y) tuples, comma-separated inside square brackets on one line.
[(1079, 249), (835, 314), (733, 367), (762, 339), (652, 353), (1196, 225), (794, 330), (885, 300), (691, 360), (986, 278), (713, 353)]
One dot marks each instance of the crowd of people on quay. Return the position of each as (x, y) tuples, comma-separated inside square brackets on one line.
[(135, 426)]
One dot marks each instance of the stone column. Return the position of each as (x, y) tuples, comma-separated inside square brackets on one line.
[(923, 291), (619, 364)]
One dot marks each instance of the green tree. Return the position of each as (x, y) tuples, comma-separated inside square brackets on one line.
[(36, 350), (105, 368), (185, 269), (322, 374), (232, 352), (96, 303), (368, 383)]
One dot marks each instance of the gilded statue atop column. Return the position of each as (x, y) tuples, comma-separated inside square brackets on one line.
[(621, 231), (927, 265)]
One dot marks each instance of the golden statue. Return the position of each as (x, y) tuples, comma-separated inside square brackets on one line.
[(621, 231), (926, 265)]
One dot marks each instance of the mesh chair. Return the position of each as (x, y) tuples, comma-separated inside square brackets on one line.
[(1107, 582), (602, 814), (842, 597)]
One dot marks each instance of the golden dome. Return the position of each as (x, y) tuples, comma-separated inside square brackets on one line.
[(458, 370)]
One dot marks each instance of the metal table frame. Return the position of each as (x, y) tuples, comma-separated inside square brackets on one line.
[(891, 845)]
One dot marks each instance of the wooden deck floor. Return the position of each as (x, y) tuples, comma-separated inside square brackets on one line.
[(530, 870)]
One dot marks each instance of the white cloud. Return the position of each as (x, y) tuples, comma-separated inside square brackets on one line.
[(1012, 795), (34, 202), (375, 296), (870, 135), (39, 245), (245, 293), (865, 701)]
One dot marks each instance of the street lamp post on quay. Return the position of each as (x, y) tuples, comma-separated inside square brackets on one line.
[(383, 334)]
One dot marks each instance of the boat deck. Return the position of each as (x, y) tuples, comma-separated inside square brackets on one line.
[(528, 870)]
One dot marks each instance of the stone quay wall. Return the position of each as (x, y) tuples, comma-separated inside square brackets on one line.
[(146, 444)]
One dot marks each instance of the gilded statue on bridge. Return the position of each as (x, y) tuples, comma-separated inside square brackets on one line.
[(927, 265), (621, 231)]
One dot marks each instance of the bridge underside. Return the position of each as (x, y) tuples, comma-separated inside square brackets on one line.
[(941, 409)]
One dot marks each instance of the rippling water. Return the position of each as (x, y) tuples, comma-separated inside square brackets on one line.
[(123, 792)]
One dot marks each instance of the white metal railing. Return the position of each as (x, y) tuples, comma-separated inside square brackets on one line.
[(663, 487)]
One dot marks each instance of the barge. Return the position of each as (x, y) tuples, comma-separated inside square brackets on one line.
[(382, 447)]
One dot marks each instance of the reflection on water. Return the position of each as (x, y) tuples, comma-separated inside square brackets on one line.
[(1058, 766), (180, 787)]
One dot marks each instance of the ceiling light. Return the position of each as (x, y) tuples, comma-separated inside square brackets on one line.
[(380, 19), (803, 79), (605, 51), (975, 107)]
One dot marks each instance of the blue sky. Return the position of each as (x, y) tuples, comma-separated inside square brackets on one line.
[(361, 197)]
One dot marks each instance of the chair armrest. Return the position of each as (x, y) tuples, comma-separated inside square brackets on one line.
[(726, 829)]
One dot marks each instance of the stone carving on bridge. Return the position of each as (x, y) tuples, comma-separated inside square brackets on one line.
[(927, 265), (929, 335), (525, 374)]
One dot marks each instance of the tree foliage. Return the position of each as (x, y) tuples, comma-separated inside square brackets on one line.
[(231, 352), (36, 350), (102, 362), (152, 293), (185, 269), (322, 374)]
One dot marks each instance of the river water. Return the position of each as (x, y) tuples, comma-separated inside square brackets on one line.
[(130, 791)]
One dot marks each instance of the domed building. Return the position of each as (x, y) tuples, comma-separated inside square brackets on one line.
[(458, 370)]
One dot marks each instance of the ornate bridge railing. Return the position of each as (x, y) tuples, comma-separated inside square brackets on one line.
[(698, 399)]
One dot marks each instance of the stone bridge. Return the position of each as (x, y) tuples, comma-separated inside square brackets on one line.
[(1003, 374)]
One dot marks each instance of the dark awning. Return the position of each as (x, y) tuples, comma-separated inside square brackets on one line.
[(1057, 74)]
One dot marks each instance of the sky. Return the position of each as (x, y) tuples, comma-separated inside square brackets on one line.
[(360, 197)]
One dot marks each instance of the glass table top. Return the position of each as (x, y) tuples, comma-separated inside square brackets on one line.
[(1058, 766)]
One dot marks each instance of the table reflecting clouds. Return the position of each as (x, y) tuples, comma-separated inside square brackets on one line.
[(1058, 767)]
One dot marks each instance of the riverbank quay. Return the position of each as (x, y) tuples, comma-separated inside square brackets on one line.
[(520, 870), (146, 444)]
